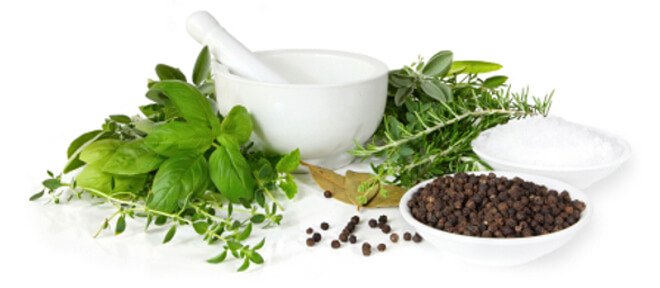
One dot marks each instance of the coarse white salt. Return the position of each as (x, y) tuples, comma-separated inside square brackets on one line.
[(548, 142)]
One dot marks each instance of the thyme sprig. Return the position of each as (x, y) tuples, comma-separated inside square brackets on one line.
[(434, 111)]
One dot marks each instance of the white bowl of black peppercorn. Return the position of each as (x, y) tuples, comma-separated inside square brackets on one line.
[(473, 238)]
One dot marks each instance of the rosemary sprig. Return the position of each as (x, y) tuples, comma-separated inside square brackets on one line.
[(434, 112)]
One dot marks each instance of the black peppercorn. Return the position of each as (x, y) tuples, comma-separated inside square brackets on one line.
[(366, 249), (309, 230), (343, 237), (335, 244), (386, 229), (394, 237), (325, 226), (327, 194), (355, 219), (407, 236), (352, 239), (417, 238), (373, 223), (316, 237), (382, 219), (381, 247), (310, 242)]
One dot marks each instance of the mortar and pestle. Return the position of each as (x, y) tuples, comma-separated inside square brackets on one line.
[(319, 101)]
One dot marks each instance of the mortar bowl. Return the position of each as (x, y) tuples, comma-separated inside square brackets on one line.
[(331, 101)]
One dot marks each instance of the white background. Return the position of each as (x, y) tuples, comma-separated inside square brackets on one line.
[(67, 64)]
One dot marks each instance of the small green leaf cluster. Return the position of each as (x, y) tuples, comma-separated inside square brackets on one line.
[(180, 163), (434, 111)]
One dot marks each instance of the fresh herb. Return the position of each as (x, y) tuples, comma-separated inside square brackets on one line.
[(181, 165), (434, 110)]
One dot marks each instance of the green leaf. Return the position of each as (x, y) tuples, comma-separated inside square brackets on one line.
[(128, 183), (190, 103), (145, 125), (166, 72), (245, 266), (177, 137), (245, 233), (401, 95), (202, 68), (230, 172), (133, 158), (256, 258), (233, 245), (217, 259), (259, 245), (237, 124), (405, 151), (495, 81), (474, 67), (437, 90), (38, 195), (121, 119), (399, 79), (160, 220), (258, 218), (207, 88), (76, 147), (52, 184), (99, 152), (156, 96), (439, 64), (289, 187), (121, 225), (289, 162), (170, 234), (201, 227), (177, 177), (92, 177)]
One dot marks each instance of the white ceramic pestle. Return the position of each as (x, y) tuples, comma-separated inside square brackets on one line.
[(206, 30)]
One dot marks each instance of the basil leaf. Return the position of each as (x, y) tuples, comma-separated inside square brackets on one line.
[(202, 66), (166, 72), (237, 124), (76, 146), (289, 187), (99, 152), (474, 67), (190, 103), (495, 81), (92, 177), (128, 183), (439, 64), (177, 177), (176, 137), (133, 158), (437, 90), (230, 172), (289, 162)]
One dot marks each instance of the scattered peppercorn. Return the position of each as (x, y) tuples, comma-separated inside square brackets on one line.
[(335, 244), (373, 223), (309, 230), (491, 206), (325, 226), (310, 242), (386, 229), (343, 237), (381, 247), (352, 239), (407, 236), (382, 219), (394, 237), (327, 194), (316, 237), (366, 249), (417, 238), (355, 219)]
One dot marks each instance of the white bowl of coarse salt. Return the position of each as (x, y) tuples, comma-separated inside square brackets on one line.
[(552, 147)]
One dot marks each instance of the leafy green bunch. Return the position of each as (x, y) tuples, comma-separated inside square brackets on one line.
[(181, 164), (434, 111)]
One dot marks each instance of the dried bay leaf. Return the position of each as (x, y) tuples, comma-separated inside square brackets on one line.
[(331, 181)]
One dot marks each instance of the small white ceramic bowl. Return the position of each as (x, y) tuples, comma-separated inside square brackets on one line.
[(332, 100), (580, 177), (500, 251)]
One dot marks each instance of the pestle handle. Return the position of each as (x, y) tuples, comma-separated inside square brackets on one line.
[(206, 30)]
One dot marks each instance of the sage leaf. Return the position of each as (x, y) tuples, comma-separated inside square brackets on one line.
[(399, 79), (230, 172), (121, 224), (190, 103), (237, 124), (495, 81), (401, 95), (439, 64), (166, 72), (177, 177), (474, 67), (289, 162), (202, 68), (217, 259), (133, 158), (177, 137), (100, 151), (437, 90), (170, 234)]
